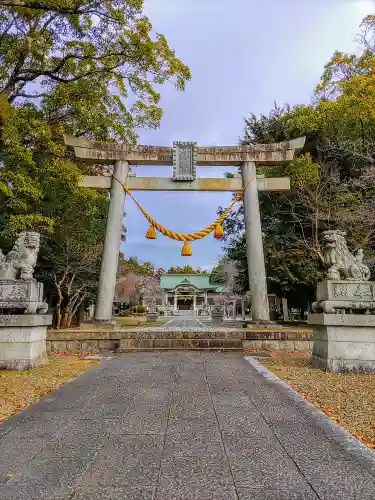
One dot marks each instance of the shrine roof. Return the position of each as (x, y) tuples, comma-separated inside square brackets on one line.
[(199, 281)]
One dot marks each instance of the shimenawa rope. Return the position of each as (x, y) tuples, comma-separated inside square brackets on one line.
[(216, 226)]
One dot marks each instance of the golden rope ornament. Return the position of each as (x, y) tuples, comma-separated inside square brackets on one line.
[(187, 251)]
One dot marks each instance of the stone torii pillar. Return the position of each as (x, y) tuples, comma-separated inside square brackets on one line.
[(184, 157), (254, 246), (111, 249)]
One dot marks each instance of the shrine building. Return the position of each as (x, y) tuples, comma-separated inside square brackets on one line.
[(188, 292)]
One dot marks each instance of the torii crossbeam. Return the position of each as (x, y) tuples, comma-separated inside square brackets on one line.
[(184, 157)]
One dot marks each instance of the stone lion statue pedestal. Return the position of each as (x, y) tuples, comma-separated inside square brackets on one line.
[(344, 313), (23, 318)]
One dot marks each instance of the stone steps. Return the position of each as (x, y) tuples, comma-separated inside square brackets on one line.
[(197, 339), (194, 342), (173, 338)]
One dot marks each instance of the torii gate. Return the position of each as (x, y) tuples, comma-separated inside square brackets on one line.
[(184, 157)]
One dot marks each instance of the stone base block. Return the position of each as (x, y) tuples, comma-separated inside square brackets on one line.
[(345, 296), (343, 343), (19, 296), (152, 317), (23, 341)]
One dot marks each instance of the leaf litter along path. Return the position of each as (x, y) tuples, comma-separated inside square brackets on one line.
[(20, 389), (348, 399)]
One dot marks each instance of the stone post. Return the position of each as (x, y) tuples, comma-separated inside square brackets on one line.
[(108, 271), (234, 309), (285, 309), (91, 311), (194, 302), (243, 316), (254, 246), (205, 299)]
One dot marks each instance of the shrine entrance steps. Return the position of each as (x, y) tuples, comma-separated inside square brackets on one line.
[(182, 312), (182, 339)]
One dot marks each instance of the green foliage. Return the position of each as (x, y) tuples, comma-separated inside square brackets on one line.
[(185, 270), (139, 309), (103, 50), (332, 180), (217, 273), (125, 313), (89, 68), (265, 129), (132, 264), (303, 171)]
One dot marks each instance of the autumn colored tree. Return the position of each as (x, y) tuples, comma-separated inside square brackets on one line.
[(332, 181), (127, 288)]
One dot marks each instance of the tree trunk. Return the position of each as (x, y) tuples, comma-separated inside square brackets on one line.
[(58, 307), (75, 309)]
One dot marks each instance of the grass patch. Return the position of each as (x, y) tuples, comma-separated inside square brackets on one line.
[(348, 399), (129, 322), (20, 389)]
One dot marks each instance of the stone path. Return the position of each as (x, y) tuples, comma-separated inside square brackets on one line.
[(188, 323), (174, 426), (184, 322)]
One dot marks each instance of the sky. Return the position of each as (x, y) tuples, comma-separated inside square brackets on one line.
[(243, 55)]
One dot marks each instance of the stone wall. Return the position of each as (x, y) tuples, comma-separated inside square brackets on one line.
[(124, 340), (283, 340)]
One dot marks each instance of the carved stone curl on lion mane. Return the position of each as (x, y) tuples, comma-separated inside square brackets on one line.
[(21, 260), (342, 264)]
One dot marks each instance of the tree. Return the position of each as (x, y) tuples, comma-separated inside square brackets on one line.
[(216, 275), (104, 48), (86, 72), (75, 277), (332, 181), (133, 265), (185, 270), (226, 274), (149, 290), (280, 228), (159, 273), (127, 289), (87, 68)]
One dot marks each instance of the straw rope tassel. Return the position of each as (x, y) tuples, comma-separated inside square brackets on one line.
[(151, 233), (219, 232), (187, 251)]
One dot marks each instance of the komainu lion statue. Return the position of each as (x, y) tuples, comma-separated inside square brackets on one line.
[(21, 260), (342, 264)]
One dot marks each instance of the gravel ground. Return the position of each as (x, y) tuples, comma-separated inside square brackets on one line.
[(348, 399)]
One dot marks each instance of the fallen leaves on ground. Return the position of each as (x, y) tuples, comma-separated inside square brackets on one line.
[(20, 389), (253, 350), (71, 354), (348, 399)]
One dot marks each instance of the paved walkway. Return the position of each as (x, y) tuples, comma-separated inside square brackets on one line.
[(174, 426), (184, 323)]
